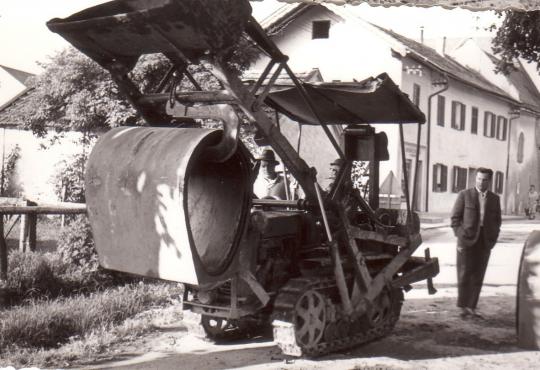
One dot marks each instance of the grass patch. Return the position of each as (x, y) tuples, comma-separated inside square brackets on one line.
[(33, 275), (28, 332)]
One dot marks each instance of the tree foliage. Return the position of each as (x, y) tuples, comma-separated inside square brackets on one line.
[(9, 186), (75, 94), (518, 36), (68, 180)]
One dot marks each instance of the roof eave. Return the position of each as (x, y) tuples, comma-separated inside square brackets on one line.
[(422, 59)]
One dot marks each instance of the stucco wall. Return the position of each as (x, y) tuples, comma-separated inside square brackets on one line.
[(453, 147), (522, 174), (416, 73), (36, 166), (352, 51)]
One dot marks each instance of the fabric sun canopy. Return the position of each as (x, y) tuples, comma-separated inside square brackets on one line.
[(374, 100)]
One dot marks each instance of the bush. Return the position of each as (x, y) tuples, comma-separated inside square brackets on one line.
[(76, 245), (32, 274)]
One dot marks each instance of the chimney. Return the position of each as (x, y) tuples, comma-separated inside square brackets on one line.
[(422, 34)]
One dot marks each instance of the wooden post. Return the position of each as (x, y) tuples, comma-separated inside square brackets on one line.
[(31, 223), (32, 232), (3, 251), (23, 233)]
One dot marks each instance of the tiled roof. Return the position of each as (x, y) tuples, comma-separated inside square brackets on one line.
[(280, 17), (19, 75), (16, 103), (528, 93), (446, 64)]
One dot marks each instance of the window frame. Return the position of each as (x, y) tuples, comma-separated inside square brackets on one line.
[(489, 124), (440, 178), (502, 130), (459, 179), (455, 124), (318, 33)]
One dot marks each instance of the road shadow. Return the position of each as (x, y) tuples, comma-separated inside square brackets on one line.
[(432, 328), (428, 329)]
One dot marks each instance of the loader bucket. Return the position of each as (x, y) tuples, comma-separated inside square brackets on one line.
[(158, 209), (127, 29)]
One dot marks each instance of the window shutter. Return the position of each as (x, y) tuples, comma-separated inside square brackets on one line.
[(462, 178), (435, 184), (416, 94), (455, 173), (462, 123), (444, 176), (486, 114), (453, 122), (474, 120), (440, 110), (500, 183), (493, 125)]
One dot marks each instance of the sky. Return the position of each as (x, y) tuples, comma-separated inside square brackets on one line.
[(24, 38)]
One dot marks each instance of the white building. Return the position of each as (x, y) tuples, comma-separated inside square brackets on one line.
[(36, 166), (468, 112)]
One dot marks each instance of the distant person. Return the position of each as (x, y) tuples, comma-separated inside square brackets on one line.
[(476, 221), (269, 184), (532, 198)]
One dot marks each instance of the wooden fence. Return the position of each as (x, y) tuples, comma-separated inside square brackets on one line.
[(27, 212)]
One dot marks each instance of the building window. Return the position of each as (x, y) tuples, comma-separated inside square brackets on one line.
[(320, 30), (440, 181), (499, 182), (459, 179), (521, 144), (489, 124), (458, 115), (474, 120), (440, 110), (502, 127), (416, 95)]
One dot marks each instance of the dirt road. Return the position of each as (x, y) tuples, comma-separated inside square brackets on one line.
[(429, 335)]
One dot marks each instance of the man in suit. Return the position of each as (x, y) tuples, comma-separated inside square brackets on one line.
[(476, 221)]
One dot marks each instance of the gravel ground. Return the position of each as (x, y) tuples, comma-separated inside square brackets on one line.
[(429, 335)]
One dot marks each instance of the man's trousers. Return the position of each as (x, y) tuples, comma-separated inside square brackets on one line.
[(471, 267)]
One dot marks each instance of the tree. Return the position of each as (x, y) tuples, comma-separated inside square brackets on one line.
[(518, 36), (75, 94)]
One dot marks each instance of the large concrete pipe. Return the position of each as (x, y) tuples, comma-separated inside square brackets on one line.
[(528, 294), (158, 209)]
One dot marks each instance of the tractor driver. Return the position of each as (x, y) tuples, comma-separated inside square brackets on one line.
[(269, 184)]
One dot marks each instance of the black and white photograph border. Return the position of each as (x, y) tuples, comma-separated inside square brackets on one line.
[(481, 102)]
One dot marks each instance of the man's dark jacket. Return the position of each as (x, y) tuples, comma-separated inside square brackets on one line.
[(466, 218)]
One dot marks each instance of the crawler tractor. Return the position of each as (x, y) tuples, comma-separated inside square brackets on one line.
[(173, 200)]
